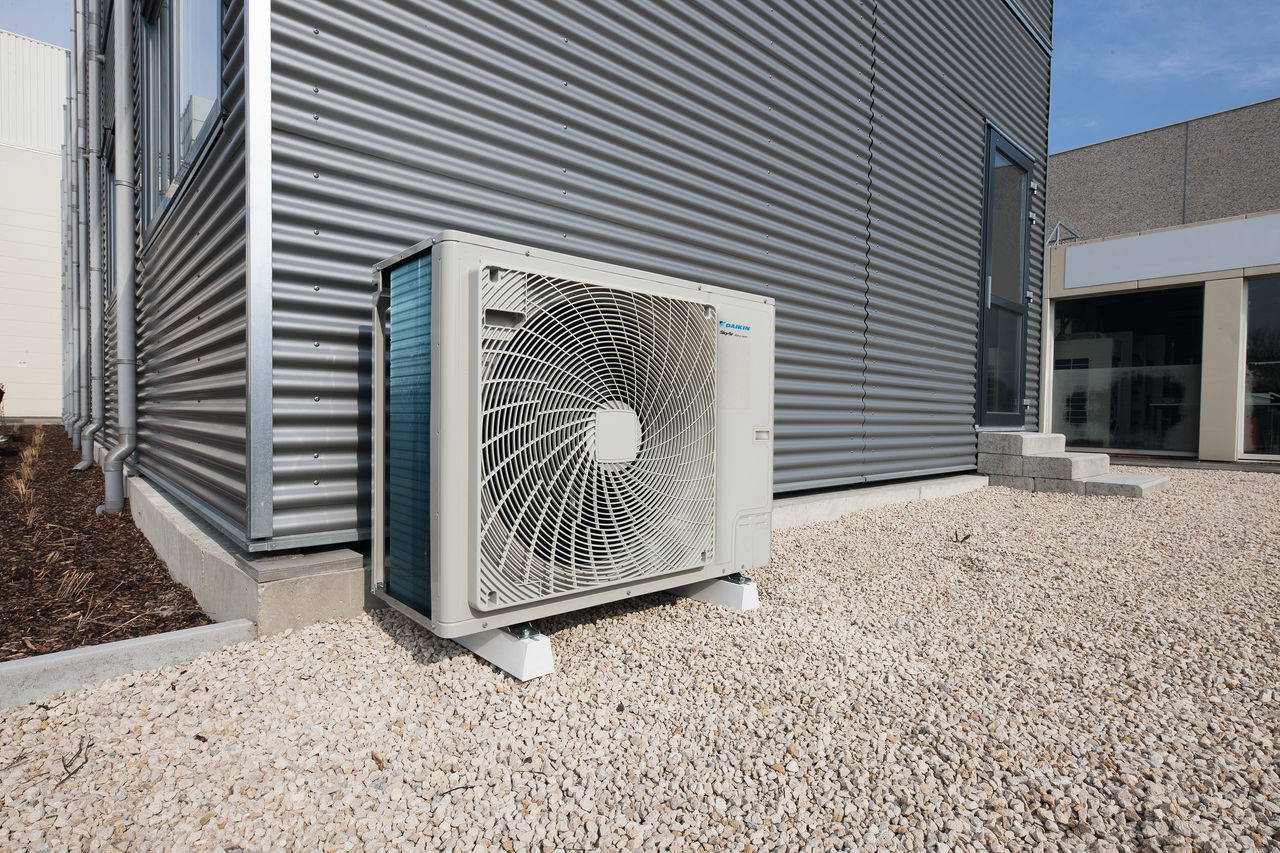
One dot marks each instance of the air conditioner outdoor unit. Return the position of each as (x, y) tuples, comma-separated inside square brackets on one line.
[(553, 433)]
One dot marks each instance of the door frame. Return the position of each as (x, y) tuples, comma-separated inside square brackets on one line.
[(999, 142)]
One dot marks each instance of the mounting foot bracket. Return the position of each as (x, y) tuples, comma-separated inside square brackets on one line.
[(734, 591), (523, 656)]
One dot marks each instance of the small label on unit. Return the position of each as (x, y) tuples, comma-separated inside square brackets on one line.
[(734, 330)]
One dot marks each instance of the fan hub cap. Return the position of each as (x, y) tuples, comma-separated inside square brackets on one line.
[(617, 434)]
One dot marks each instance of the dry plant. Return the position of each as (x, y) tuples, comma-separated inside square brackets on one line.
[(73, 584), (21, 488)]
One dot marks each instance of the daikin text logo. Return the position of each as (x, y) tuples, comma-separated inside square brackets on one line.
[(734, 330)]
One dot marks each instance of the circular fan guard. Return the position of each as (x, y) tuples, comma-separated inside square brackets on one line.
[(556, 518)]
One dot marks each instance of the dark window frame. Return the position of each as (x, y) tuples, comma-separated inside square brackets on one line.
[(997, 142), (160, 117)]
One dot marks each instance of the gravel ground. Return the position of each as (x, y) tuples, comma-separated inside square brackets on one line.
[(1080, 674)]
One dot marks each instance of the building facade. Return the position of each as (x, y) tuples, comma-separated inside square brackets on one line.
[(877, 170), (1165, 329), (33, 91)]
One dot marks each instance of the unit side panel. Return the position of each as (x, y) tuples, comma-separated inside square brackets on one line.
[(409, 434)]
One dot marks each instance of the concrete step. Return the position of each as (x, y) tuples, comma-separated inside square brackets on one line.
[(1124, 485), (1065, 466), (1021, 443), (1000, 464)]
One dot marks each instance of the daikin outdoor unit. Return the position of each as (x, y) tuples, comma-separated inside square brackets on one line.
[(553, 433)]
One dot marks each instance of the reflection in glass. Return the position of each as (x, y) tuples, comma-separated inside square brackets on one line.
[(1126, 370), (1262, 369), (1008, 229), (1004, 351)]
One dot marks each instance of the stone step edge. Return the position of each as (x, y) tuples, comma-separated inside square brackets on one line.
[(1111, 484)]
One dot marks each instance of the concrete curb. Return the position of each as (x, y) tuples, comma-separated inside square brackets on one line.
[(810, 509), (30, 679)]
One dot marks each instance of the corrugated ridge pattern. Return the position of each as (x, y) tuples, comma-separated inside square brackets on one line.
[(108, 114), (191, 322), (723, 144), (110, 433), (1040, 14), (938, 81)]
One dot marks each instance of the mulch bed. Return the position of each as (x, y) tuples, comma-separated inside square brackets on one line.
[(68, 577)]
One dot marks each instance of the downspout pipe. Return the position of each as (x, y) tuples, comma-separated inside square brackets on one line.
[(122, 232), (81, 227), (68, 304), (95, 211)]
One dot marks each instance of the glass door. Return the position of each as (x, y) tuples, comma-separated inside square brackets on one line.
[(1006, 234), (1262, 369)]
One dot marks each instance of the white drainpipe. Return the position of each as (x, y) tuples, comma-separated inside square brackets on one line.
[(94, 218), (122, 232)]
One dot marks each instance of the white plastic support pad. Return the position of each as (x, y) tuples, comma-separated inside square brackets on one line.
[(723, 592), (522, 658)]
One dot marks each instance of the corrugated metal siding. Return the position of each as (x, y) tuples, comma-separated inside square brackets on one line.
[(1005, 74), (33, 89), (191, 322), (1040, 14), (725, 144), (108, 80), (939, 79)]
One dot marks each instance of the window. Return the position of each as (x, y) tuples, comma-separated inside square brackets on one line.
[(1126, 370), (1262, 369), (182, 71)]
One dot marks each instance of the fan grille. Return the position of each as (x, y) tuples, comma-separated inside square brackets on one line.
[(563, 509)]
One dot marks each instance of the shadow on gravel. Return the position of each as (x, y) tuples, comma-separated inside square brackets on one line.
[(426, 648)]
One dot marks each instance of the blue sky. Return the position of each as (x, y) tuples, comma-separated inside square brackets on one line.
[(1122, 66), (1119, 66)]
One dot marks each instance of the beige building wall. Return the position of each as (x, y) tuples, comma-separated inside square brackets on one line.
[(32, 91), (1218, 166)]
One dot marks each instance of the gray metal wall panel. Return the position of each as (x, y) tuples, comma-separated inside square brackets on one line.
[(110, 432), (1040, 14), (725, 144), (108, 114), (191, 321), (939, 79)]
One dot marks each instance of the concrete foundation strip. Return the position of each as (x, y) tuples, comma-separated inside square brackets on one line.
[(34, 678)]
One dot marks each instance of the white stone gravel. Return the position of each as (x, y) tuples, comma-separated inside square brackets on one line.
[(1080, 674)]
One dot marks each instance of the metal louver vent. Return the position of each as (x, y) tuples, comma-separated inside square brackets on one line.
[(597, 437)]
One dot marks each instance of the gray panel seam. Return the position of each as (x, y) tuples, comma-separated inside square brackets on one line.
[(866, 303)]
